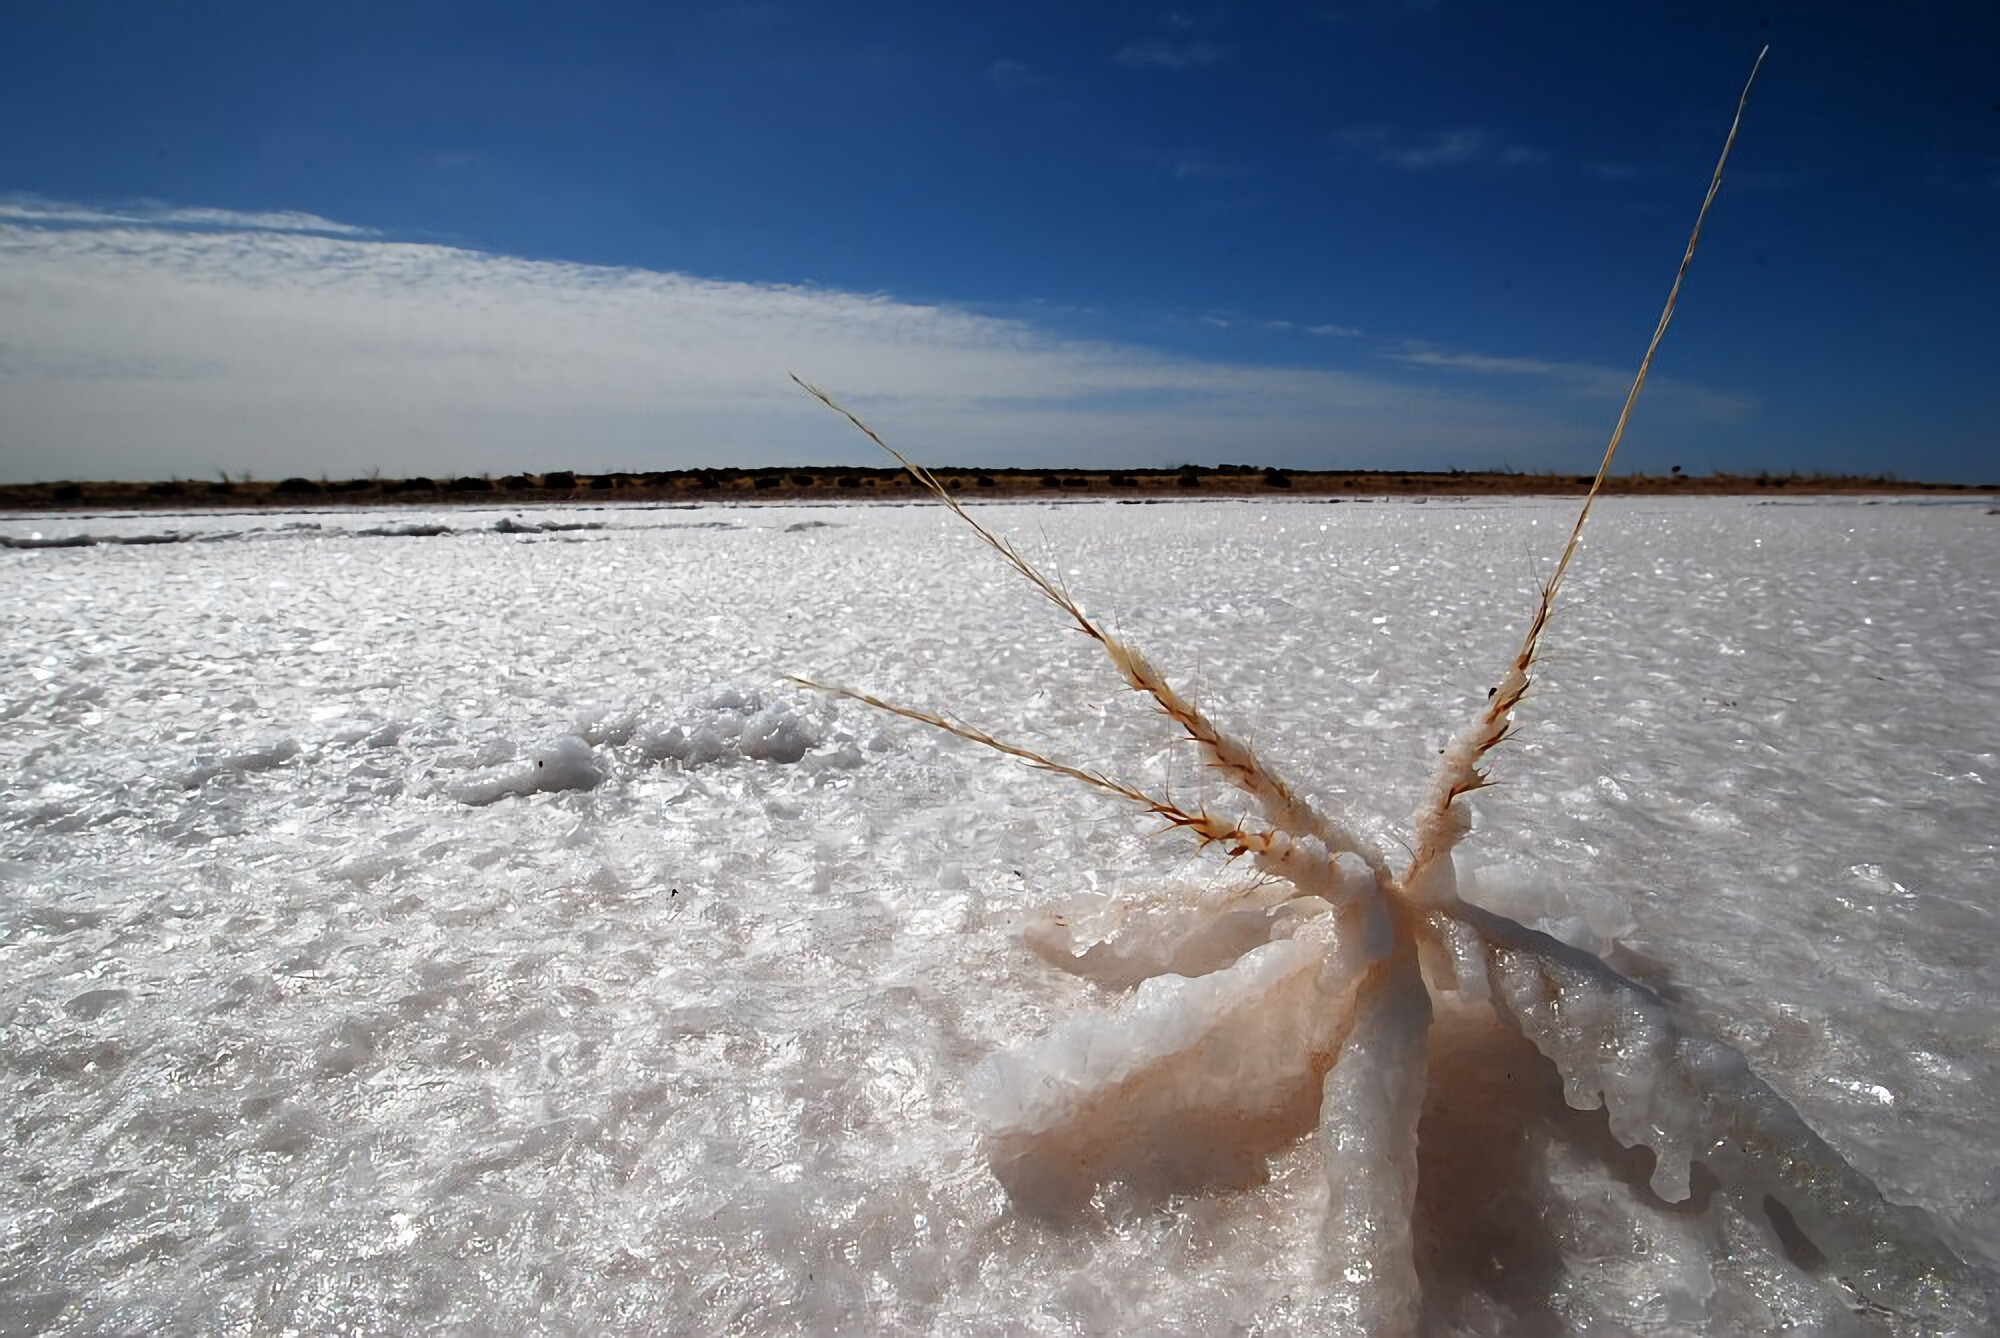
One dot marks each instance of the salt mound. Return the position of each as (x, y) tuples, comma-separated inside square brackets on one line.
[(733, 725), (568, 763)]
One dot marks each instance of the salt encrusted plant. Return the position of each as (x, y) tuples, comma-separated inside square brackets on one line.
[(1307, 998)]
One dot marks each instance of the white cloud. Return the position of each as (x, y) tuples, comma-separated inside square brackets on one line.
[(141, 350)]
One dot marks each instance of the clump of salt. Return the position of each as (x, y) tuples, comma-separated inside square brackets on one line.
[(565, 763), (732, 725)]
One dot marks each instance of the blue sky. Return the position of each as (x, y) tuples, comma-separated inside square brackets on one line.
[(445, 238)]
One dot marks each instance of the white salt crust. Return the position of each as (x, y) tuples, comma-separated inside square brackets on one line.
[(322, 1006)]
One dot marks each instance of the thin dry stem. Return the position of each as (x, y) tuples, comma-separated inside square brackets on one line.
[(1458, 773), (1050, 590)]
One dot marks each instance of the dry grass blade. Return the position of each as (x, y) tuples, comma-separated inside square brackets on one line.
[(1458, 771), (1235, 761), (1234, 838)]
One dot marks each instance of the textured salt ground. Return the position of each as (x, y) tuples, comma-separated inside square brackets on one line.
[(322, 1005)]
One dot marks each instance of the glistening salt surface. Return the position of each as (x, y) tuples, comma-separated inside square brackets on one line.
[(322, 1006)]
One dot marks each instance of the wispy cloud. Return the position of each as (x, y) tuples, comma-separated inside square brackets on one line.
[(1466, 146), (1423, 355), (1591, 380), (1230, 320), (1162, 54), (175, 347), (33, 210)]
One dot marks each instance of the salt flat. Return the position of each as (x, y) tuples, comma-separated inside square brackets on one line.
[(472, 927)]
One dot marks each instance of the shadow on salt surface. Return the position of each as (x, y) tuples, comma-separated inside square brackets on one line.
[(1492, 1241), (1517, 1195)]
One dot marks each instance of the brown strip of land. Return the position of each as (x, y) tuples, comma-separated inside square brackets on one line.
[(803, 483)]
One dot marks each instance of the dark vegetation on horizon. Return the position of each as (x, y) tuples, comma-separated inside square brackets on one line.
[(844, 483)]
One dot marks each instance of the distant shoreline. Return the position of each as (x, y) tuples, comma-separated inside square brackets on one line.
[(813, 483)]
